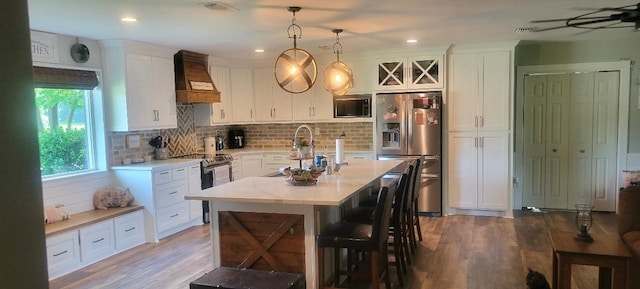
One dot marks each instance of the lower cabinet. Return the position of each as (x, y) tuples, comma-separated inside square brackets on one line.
[(88, 244), (252, 165), (478, 171)]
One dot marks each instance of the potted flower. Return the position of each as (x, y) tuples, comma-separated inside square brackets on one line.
[(303, 148)]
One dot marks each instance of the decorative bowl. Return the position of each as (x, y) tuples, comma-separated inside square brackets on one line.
[(301, 177)]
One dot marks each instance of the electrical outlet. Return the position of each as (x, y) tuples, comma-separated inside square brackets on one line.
[(317, 131)]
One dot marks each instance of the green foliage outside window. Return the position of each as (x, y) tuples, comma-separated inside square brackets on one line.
[(62, 130)]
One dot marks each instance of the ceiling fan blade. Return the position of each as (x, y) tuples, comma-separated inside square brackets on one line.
[(561, 20), (548, 28), (582, 23)]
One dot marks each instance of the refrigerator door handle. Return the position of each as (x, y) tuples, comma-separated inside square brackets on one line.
[(476, 121)]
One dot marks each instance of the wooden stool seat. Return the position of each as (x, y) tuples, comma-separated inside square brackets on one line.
[(238, 278)]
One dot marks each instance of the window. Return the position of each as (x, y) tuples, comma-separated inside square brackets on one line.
[(66, 124)]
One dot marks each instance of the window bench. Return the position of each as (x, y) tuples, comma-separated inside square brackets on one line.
[(91, 236)]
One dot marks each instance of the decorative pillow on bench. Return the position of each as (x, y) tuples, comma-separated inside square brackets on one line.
[(631, 178), (55, 213), (112, 197)]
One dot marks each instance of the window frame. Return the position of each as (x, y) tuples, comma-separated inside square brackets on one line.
[(95, 128)]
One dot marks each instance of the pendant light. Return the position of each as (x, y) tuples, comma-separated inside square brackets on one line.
[(295, 69), (338, 78)]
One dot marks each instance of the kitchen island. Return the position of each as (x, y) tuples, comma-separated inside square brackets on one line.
[(265, 223)]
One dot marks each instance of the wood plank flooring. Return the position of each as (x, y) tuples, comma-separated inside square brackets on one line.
[(457, 252)]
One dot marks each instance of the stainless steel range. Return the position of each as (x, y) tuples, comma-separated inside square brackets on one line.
[(215, 170)]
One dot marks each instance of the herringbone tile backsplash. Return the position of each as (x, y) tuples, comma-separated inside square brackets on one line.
[(188, 139)]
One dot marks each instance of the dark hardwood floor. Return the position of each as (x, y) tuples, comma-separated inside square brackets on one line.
[(457, 252)]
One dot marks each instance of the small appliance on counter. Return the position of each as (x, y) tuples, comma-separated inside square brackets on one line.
[(236, 138), (219, 141), (210, 145)]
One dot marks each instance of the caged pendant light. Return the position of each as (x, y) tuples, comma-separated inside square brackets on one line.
[(295, 69), (338, 78)]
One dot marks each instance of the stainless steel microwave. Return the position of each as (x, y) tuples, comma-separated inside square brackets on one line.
[(356, 105)]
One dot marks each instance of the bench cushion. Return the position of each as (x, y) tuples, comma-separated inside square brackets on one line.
[(237, 278)]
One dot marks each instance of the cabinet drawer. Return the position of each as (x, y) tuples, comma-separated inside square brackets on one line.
[(276, 159), (63, 254), (97, 241), (162, 177), (179, 174), (172, 216), (171, 193), (358, 157), (129, 230)]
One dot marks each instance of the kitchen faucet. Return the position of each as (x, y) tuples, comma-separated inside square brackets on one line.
[(295, 137)]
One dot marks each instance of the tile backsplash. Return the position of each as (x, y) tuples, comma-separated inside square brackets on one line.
[(188, 138)]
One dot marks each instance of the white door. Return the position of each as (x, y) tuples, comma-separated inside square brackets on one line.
[(570, 133), (493, 178), (494, 102), (463, 92), (263, 94), (164, 92), (139, 92), (242, 91)]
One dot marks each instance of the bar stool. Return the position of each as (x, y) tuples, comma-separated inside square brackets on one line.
[(360, 238), (414, 220), (397, 226)]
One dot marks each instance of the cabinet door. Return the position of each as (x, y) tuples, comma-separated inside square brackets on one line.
[(63, 253), (493, 182), (139, 98), (206, 114), (302, 104), (242, 91), (97, 241), (361, 70), (263, 94), (281, 101), (463, 92), (322, 108), (252, 166), (129, 230), (391, 74), (495, 90), (463, 170), (195, 207), (425, 72), (164, 92)]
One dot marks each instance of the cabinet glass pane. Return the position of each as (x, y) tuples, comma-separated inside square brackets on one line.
[(390, 73), (424, 71)]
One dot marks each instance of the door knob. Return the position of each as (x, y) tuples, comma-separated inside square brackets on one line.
[(581, 151), (554, 150)]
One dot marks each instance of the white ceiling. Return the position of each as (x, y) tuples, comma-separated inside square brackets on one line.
[(367, 24)]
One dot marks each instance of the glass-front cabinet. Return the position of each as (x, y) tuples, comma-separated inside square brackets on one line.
[(423, 72)]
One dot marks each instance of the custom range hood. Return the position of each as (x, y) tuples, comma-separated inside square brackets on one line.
[(193, 82)]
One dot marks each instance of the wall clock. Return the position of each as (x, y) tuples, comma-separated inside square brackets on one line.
[(79, 53)]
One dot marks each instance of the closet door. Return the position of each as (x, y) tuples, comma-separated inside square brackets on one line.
[(557, 141), (580, 135), (533, 176)]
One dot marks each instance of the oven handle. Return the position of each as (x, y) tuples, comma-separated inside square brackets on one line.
[(211, 169)]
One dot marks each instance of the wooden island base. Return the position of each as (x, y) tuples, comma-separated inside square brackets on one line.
[(264, 241)]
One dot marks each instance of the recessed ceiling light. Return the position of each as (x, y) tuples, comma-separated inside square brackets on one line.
[(259, 50), (128, 19), (412, 40)]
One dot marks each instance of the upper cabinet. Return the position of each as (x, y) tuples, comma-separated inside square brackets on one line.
[(409, 73), (479, 90), (242, 90), (271, 102), (362, 71), (313, 104), (139, 86), (206, 114)]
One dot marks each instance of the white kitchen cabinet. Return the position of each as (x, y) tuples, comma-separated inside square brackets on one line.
[(362, 70), (206, 114), (129, 230), (358, 156), (478, 171), (242, 91), (195, 186), (161, 190), (414, 72), (272, 162), (236, 167), (272, 103), (139, 86), (63, 253), (97, 241), (252, 165), (479, 91), (313, 104)]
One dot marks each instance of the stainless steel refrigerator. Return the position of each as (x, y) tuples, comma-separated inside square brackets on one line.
[(409, 125)]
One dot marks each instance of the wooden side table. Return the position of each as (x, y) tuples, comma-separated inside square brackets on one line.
[(607, 251)]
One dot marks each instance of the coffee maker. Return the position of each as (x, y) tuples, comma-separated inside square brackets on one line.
[(236, 138)]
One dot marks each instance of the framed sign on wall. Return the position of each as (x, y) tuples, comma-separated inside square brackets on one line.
[(44, 47)]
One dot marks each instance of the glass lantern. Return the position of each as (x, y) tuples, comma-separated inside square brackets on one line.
[(583, 222)]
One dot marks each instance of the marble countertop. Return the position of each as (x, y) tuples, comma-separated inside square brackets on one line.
[(331, 190)]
